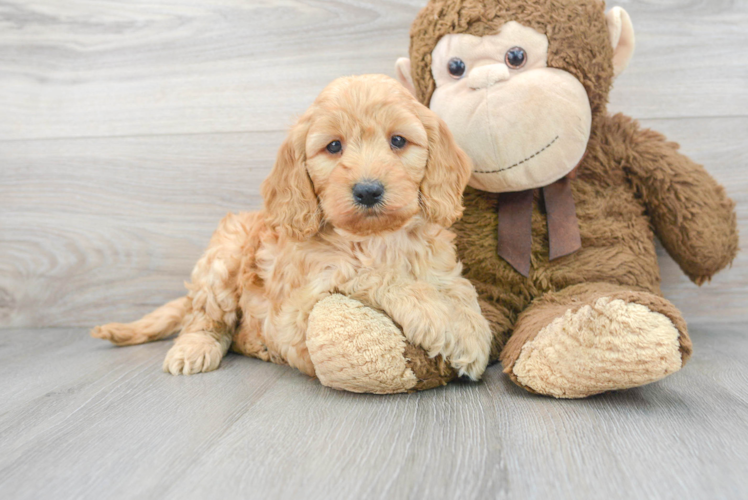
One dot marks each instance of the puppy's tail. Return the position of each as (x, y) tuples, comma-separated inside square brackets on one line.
[(157, 325)]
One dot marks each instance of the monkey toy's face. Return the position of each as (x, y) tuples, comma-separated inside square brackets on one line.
[(505, 77), (525, 125)]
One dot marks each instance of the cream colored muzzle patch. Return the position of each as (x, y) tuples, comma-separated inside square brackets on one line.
[(524, 127), (523, 133), (610, 346)]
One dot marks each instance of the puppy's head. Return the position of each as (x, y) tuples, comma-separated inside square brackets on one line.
[(367, 157)]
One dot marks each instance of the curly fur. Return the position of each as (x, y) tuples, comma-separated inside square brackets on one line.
[(264, 272)]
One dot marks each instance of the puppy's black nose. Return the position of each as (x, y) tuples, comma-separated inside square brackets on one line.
[(368, 194)]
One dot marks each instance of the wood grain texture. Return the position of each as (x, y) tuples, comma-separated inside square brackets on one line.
[(84, 68), (113, 226), (127, 129), (80, 419)]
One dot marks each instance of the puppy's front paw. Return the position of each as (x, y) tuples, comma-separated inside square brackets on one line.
[(428, 330), (471, 346), (193, 353)]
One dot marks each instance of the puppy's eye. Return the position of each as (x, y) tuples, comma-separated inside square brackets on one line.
[(334, 147), (398, 141), (516, 57), (456, 67)]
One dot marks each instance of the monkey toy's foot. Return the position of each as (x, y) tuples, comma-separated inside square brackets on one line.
[(594, 338), (358, 349)]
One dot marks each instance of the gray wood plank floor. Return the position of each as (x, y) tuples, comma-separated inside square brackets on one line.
[(80, 419)]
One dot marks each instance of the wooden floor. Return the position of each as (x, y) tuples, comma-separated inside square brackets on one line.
[(80, 419), (129, 128)]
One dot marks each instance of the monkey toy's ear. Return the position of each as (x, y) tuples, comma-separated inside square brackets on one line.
[(621, 37), (403, 74)]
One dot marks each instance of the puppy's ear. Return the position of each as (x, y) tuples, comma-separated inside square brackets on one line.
[(447, 172), (291, 204)]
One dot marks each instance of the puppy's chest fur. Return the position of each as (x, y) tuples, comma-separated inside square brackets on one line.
[(282, 280), (337, 262)]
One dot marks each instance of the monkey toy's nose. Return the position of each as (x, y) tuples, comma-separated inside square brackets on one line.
[(487, 76), (368, 194)]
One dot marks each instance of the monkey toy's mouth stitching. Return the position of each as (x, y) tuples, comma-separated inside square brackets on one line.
[(518, 163)]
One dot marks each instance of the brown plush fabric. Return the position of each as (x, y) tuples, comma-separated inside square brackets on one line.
[(593, 338), (621, 194), (631, 186), (690, 212), (553, 305), (430, 372), (576, 30)]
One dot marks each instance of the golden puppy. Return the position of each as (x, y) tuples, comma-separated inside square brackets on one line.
[(356, 204)]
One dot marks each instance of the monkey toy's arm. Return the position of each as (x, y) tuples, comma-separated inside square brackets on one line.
[(691, 214)]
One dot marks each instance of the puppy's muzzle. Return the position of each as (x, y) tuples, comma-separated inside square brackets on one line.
[(368, 194)]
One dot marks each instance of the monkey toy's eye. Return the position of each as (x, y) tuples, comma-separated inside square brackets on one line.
[(516, 57), (398, 142), (456, 67), (334, 147)]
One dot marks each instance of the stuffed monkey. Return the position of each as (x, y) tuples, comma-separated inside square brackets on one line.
[(562, 208)]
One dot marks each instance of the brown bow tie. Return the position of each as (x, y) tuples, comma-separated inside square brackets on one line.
[(515, 224)]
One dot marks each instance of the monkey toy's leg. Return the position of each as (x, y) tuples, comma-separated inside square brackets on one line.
[(592, 338), (359, 349)]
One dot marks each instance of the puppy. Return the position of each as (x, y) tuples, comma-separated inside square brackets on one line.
[(357, 203)]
